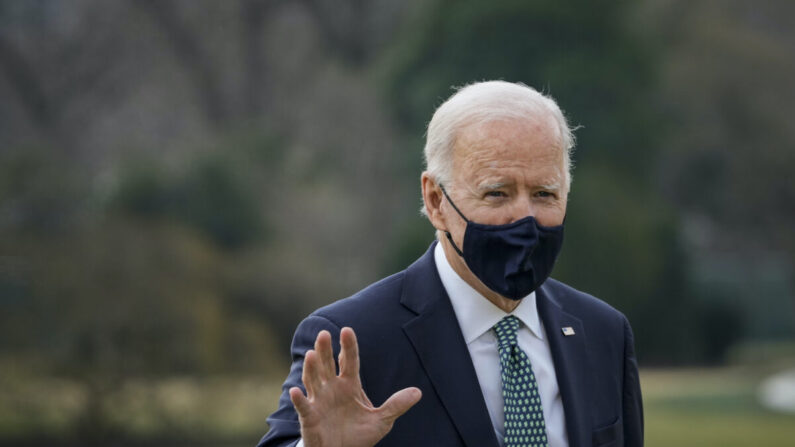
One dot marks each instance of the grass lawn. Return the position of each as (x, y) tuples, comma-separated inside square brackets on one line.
[(710, 407)]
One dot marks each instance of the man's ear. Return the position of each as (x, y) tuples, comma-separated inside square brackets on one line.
[(432, 198)]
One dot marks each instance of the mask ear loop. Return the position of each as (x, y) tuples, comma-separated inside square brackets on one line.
[(455, 247), (447, 233)]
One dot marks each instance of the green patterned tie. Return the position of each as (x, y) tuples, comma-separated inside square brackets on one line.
[(524, 419)]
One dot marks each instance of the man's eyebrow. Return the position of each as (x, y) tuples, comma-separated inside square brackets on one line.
[(553, 186), (491, 186)]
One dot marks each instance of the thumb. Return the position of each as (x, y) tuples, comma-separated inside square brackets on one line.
[(399, 403)]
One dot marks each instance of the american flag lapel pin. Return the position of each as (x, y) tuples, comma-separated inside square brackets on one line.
[(567, 331)]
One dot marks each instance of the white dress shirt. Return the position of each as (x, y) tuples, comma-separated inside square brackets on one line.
[(476, 315)]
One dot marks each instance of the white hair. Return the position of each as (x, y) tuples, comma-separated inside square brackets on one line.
[(484, 102)]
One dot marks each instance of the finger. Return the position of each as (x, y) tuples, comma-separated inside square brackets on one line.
[(309, 375), (349, 353), (400, 403), (325, 354), (300, 402)]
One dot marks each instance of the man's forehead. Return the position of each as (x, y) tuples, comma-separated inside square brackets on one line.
[(494, 143), (493, 155), (495, 135), (542, 124)]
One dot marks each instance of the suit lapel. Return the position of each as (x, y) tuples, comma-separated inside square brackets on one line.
[(437, 339), (571, 366)]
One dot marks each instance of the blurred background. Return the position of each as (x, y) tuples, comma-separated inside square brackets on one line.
[(182, 181)]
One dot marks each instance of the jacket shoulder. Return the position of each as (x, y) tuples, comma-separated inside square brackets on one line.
[(582, 304), (377, 298)]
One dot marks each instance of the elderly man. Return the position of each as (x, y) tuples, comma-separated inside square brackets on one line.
[(472, 345)]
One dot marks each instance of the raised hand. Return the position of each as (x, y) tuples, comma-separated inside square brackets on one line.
[(336, 412)]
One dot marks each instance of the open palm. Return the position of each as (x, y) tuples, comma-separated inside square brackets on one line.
[(336, 412)]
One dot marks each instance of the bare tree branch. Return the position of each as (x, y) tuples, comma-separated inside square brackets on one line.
[(345, 35), (89, 62), (25, 80), (253, 14), (188, 51)]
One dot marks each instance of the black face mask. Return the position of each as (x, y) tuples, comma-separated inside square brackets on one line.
[(512, 259)]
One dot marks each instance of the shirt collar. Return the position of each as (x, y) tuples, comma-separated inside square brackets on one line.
[(475, 314)]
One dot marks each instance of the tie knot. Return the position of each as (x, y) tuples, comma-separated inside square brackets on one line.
[(506, 331)]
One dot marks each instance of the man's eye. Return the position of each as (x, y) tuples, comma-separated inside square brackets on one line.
[(496, 194), (544, 194)]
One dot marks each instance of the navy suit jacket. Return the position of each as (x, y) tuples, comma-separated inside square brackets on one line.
[(409, 336)]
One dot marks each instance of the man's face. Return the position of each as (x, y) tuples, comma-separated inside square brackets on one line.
[(504, 171)]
